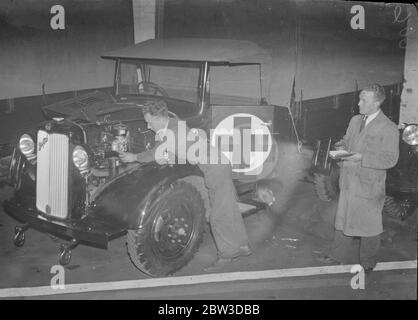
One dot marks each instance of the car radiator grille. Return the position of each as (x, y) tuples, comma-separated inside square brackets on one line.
[(52, 174)]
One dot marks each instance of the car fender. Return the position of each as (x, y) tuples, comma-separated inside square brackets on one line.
[(126, 201)]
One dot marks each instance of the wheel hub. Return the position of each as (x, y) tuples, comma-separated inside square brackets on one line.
[(172, 230), (178, 230)]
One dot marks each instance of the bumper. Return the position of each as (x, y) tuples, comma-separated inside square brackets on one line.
[(87, 230), (399, 183)]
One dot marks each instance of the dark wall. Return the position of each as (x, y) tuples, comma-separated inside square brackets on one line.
[(32, 54), (310, 40)]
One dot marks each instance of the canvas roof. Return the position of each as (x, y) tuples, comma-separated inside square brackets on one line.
[(193, 49)]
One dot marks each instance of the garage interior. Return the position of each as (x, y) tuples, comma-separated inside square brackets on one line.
[(316, 68)]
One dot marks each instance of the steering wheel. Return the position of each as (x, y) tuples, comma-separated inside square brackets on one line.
[(152, 88), (173, 115)]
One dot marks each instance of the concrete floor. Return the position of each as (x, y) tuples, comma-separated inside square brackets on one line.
[(393, 285), (290, 238)]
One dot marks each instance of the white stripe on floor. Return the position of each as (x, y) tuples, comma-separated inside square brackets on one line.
[(197, 279)]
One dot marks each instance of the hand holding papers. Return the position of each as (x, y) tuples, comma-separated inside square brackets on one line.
[(339, 154)]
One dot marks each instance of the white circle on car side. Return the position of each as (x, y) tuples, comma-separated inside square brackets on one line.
[(252, 149)]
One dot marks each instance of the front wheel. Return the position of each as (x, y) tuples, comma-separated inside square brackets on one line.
[(172, 232)]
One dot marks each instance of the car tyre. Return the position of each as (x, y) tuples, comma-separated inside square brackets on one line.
[(172, 232), (19, 239), (64, 256), (401, 209), (327, 185)]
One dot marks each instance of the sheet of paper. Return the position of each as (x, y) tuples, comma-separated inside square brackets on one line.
[(337, 154)]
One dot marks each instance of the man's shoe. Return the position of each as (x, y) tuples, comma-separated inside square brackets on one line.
[(222, 261), (243, 251), (217, 265), (368, 268)]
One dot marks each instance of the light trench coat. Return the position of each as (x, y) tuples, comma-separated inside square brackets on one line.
[(362, 184)]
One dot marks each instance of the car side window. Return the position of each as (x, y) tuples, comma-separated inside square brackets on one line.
[(235, 85), (129, 78)]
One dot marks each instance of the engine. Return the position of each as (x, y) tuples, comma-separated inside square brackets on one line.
[(76, 155), (107, 140), (110, 140)]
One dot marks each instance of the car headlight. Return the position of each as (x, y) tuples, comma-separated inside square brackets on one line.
[(27, 146), (410, 135), (80, 158)]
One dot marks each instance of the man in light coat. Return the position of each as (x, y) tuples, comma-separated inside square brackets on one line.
[(374, 141)]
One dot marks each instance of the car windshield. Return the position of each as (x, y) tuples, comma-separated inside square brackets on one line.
[(175, 80)]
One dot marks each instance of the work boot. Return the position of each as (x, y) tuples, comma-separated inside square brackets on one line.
[(223, 260), (368, 267)]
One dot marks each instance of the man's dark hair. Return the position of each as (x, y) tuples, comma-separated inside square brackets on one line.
[(378, 91), (155, 108)]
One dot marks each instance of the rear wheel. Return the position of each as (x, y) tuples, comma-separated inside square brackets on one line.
[(398, 208), (327, 185), (172, 232)]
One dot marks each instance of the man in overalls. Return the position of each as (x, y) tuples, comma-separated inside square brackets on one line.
[(225, 219)]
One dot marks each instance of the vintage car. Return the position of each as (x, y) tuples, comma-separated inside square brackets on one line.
[(69, 181), (401, 180)]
